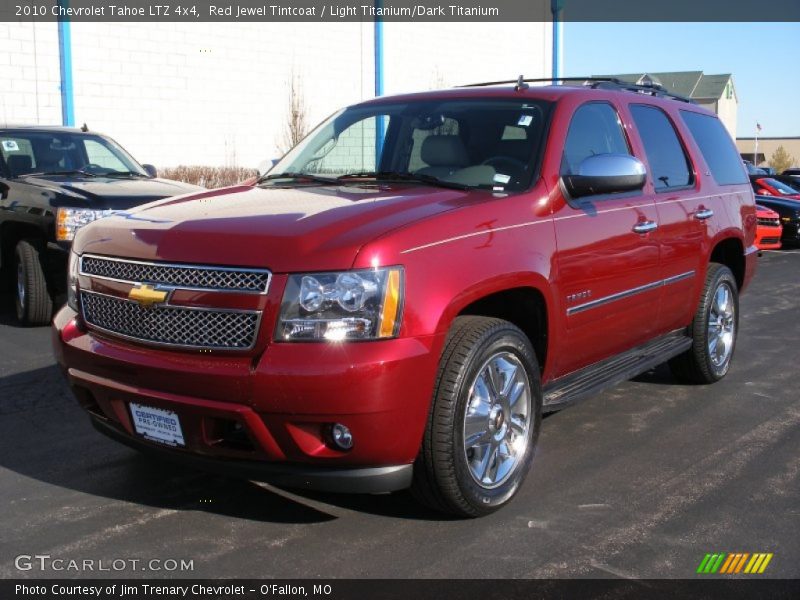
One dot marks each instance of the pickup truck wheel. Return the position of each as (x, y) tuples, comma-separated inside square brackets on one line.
[(713, 330), (484, 421), (33, 301)]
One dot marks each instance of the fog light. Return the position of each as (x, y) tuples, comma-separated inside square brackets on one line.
[(341, 436)]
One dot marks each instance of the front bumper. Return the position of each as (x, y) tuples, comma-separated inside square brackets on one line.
[(265, 416), (373, 480), (768, 238)]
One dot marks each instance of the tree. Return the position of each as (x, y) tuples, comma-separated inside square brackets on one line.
[(296, 125), (781, 160)]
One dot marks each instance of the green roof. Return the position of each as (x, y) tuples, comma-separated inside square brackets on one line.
[(694, 84)]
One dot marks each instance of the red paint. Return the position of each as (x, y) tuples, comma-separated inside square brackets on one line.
[(769, 230)]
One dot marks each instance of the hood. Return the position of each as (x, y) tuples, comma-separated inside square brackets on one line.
[(282, 229), (762, 212), (110, 192), (780, 201)]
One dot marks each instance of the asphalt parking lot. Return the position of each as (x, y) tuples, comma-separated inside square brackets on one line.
[(640, 481)]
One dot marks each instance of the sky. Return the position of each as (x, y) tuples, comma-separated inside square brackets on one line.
[(763, 58)]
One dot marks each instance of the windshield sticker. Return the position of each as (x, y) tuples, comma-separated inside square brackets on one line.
[(500, 178), (525, 120), (10, 146)]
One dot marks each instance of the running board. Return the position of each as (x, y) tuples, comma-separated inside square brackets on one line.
[(606, 373)]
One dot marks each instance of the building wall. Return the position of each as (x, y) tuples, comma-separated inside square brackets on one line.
[(422, 56), (29, 73), (218, 93), (767, 146), (727, 109)]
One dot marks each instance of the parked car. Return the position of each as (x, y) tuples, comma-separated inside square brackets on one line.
[(769, 186), (792, 182), (768, 170), (789, 212), (397, 302), (54, 180), (769, 230), (752, 169)]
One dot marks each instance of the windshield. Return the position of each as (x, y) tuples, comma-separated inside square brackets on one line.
[(481, 143), (34, 152), (782, 188)]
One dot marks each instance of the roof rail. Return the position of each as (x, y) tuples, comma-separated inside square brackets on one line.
[(603, 83)]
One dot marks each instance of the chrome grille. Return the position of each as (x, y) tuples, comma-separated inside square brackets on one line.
[(176, 275), (171, 325)]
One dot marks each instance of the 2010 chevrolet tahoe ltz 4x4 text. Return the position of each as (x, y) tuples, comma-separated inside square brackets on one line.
[(397, 302)]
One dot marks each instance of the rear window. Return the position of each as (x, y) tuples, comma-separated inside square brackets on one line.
[(717, 148)]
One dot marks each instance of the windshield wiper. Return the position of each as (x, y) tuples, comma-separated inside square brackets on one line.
[(68, 172), (303, 176), (406, 176), (124, 174)]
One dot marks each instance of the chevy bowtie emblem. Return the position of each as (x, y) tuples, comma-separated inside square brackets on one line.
[(147, 296)]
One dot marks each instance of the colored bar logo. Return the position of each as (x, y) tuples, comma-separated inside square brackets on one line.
[(732, 563)]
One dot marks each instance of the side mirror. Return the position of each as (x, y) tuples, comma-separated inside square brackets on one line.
[(606, 174), (150, 170)]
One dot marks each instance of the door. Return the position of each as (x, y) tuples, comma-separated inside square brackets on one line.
[(608, 254), (682, 213)]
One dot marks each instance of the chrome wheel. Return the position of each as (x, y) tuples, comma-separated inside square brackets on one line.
[(497, 420), (721, 325), (20, 284)]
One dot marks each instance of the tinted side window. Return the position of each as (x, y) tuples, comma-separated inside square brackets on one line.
[(717, 147), (595, 129), (668, 163)]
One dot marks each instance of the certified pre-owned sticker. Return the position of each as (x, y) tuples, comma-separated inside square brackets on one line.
[(10, 146)]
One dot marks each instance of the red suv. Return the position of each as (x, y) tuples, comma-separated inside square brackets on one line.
[(399, 299)]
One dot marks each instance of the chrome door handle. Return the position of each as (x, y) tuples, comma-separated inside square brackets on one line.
[(703, 214), (645, 227)]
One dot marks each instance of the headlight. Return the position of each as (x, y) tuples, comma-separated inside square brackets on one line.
[(351, 305), (69, 220), (72, 281)]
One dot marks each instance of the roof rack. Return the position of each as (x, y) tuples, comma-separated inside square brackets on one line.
[(602, 83)]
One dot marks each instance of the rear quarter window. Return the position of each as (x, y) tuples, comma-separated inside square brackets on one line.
[(716, 147)]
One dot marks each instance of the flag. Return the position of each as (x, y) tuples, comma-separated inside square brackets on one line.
[(758, 126)]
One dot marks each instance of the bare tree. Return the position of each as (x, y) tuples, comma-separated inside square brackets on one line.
[(781, 160), (296, 124)]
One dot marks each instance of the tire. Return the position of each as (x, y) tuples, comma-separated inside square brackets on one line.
[(713, 330), (467, 465), (33, 301)]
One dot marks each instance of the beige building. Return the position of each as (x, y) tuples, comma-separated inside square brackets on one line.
[(715, 92), (766, 146)]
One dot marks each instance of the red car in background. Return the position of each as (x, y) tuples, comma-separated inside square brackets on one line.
[(769, 229), (767, 186)]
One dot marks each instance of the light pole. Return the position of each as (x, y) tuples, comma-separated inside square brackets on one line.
[(378, 45), (755, 149), (556, 6)]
